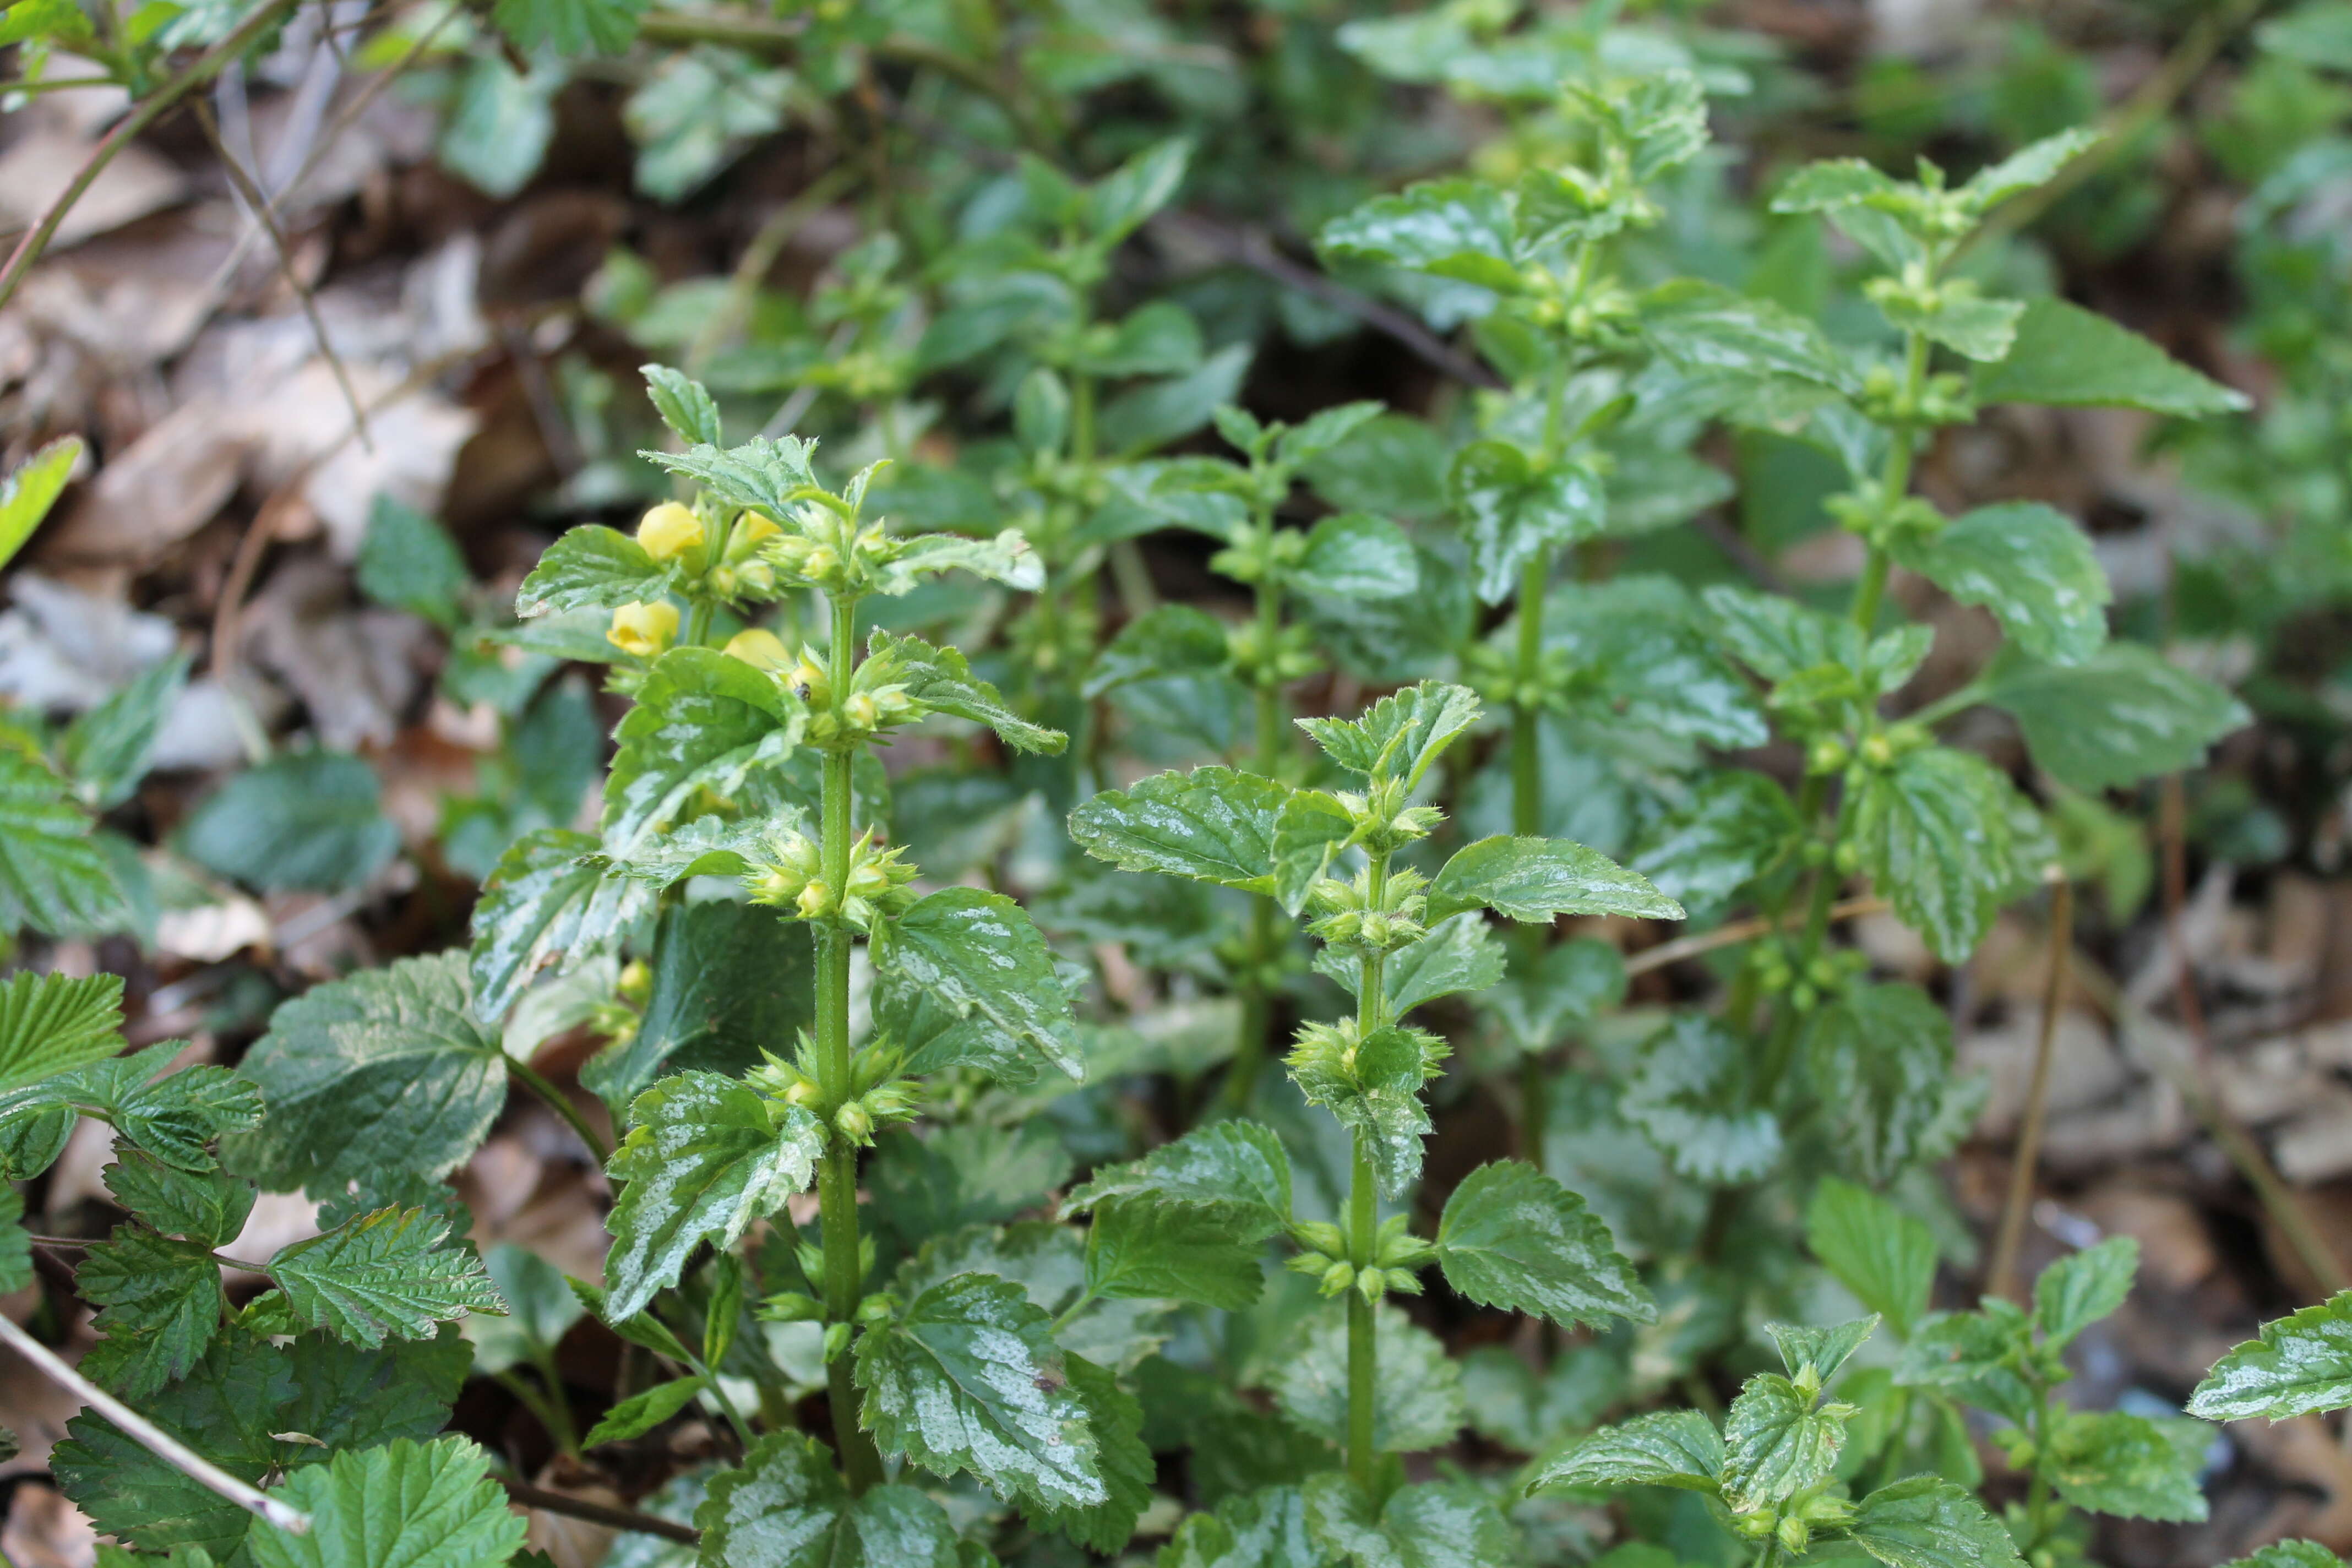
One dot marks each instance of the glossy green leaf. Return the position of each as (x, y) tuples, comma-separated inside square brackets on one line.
[(1263, 1529), (1434, 1524), (594, 567), (2083, 1287), (1824, 1348), (786, 1507), (1239, 1163), (1882, 1254), (1513, 1237), (209, 1206), (2300, 1364), (2031, 566), (968, 1378), (977, 958), (684, 403), (1937, 835), (2129, 1466), (2124, 715), (1357, 556), (1461, 229), (54, 1023), (1735, 826), (1149, 1248), (704, 1157), (1928, 1522), (1399, 736), (939, 680), (1777, 1443), (1678, 1449), (967, 1174), (1541, 878), (550, 900), (1512, 510), (2075, 358), (1879, 1062), (703, 721), (643, 1411), (1213, 825), (761, 473), (417, 1505)]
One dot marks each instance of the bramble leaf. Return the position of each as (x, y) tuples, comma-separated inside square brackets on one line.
[(409, 1503), (161, 1303), (54, 1023), (389, 1272), (53, 876)]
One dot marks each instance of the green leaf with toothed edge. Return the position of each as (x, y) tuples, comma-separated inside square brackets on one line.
[(1417, 1397), (1145, 1247), (1540, 879), (1461, 953), (761, 473), (786, 1507), (1928, 1522), (2132, 1466), (2070, 357), (684, 403), (1239, 1162), (54, 877), (1678, 1449), (967, 1377), (1212, 825), (551, 899), (419, 1505), (2124, 714), (2028, 563), (594, 567), (1777, 1444), (1434, 1524), (384, 1273), (55, 1022), (706, 1156), (2298, 1365), (2083, 1287), (978, 956), (940, 679), (1884, 1255), (1513, 1237), (703, 721), (1399, 736), (160, 1304)]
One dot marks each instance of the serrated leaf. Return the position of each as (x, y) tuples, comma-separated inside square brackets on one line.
[(705, 1156), (1417, 1395), (208, 1207), (54, 1023), (1212, 825), (1937, 834), (1513, 1237), (594, 567), (729, 981), (1690, 1094), (1399, 736), (1461, 953), (1356, 556), (967, 1174), (2298, 1365), (761, 473), (1374, 1093), (161, 1303), (1712, 333), (1824, 1348), (573, 27), (408, 561), (1735, 826), (2035, 163), (105, 750), (786, 1507), (1512, 510), (1878, 1059), (1540, 879), (306, 820), (15, 1242), (175, 1116), (1434, 1524), (1678, 1449), (939, 680), (2123, 715), (31, 488), (1461, 229), (1310, 830), (2111, 1462), (416, 1505), (1884, 1255), (1777, 1443), (547, 900), (978, 956), (684, 403), (1928, 1522), (2073, 358), (1974, 1354), (384, 1273), (1547, 994), (702, 721), (1239, 1162), (1778, 638), (388, 1070), (968, 1378), (2083, 1287), (2290, 1555), (54, 878), (2031, 566), (1115, 1419), (643, 1411), (1147, 1247), (1261, 1528)]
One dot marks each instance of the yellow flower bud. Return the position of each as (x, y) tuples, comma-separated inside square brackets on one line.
[(760, 649), (858, 709), (643, 630), (815, 899), (670, 530), (750, 530)]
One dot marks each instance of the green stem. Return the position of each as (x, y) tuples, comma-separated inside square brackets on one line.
[(1534, 1108), (523, 1073), (1363, 1217), (2037, 1492), (837, 1169), (1081, 419), (1086, 1299), (1526, 772), (548, 1412), (1890, 1464), (1250, 1045)]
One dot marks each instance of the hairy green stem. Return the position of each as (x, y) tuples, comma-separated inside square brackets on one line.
[(1363, 1215), (837, 1168), (1250, 1045)]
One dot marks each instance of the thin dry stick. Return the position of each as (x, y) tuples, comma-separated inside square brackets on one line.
[(597, 1513), (126, 130), (152, 1438), (1674, 952), (2276, 1197), (257, 202), (2001, 1279)]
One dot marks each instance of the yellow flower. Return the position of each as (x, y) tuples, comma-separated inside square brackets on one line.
[(670, 530), (643, 629), (750, 530), (760, 649)]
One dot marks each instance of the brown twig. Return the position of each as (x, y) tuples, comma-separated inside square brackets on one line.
[(598, 1513), (126, 130), (257, 202), (1674, 952), (2001, 1277)]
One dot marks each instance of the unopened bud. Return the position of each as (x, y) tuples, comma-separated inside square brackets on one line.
[(670, 530), (642, 631), (855, 1122), (815, 899), (760, 649)]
